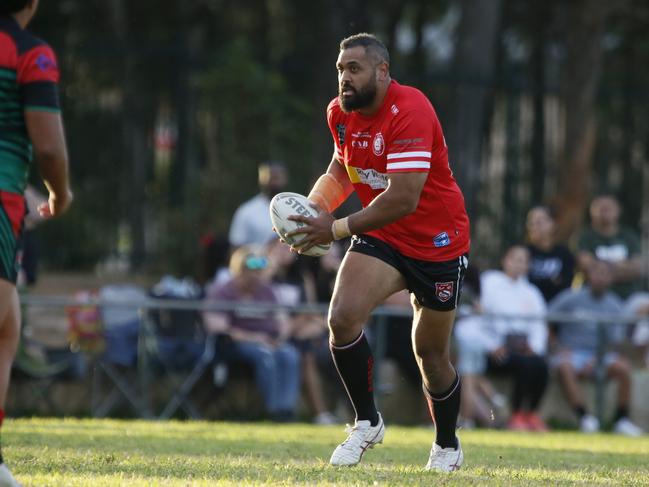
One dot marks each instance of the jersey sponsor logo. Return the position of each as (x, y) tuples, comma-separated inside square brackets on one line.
[(417, 140), (394, 109), (444, 290), (44, 63), (441, 240), (378, 144), (360, 144), (371, 177), (362, 135), (340, 130)]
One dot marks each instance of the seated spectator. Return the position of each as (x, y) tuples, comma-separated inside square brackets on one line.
[(552, 265), (609, 241), (308, 333), (479, 398), (638, 306), (259, 337), (576, 342), (516, 345)]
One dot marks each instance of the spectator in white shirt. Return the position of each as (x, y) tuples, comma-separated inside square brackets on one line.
[(515, 335)]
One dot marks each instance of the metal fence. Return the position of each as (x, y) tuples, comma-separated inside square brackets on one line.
[(378, 325)]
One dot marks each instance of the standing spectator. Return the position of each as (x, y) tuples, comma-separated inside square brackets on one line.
[(259, 336), (516, 345), (607, 240), (552, 265), (576, 347), (251, 223), (31, 123)]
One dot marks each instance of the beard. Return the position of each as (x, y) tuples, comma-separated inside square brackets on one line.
[(361, 98)]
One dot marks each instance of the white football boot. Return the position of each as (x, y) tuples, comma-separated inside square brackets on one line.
[(445, 459), (362, 437), (6, 479)]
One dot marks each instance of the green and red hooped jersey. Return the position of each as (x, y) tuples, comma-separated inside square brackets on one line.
[(28, 81)]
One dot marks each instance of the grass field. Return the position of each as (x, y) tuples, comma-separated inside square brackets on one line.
[(70, 452)]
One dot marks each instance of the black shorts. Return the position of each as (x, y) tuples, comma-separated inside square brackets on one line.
[(436, 285)]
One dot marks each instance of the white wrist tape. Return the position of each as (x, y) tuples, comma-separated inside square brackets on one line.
[(340, 228)]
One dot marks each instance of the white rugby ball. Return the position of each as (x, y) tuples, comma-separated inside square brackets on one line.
[(286, 204)]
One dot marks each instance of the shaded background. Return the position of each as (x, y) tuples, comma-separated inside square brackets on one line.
[(170, 105)]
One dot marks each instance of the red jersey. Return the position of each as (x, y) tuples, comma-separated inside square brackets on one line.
[(404, 136)]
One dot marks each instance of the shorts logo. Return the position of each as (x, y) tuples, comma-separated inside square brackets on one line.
[(441, 240), (378, 144), (444, 291)]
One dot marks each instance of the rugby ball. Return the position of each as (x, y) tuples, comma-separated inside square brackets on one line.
[(286, 204)]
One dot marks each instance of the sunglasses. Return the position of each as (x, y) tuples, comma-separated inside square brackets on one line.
[(255, 262)]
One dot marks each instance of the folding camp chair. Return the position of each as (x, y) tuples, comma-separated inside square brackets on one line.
[(40, 369), (109, 338), (182, 351)]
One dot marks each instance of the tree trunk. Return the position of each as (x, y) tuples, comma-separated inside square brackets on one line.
[(133, 141), (474, 67), (537, 62), (584, 27)]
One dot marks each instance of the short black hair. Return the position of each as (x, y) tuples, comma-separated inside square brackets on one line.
[(13, 6), (373, 46)]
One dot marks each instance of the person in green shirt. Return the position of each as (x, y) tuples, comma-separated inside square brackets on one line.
[(607, 240)]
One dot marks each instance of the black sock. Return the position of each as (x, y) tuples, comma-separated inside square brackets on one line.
[(444, 409), (355, 365), (580, 411), (621, 412)]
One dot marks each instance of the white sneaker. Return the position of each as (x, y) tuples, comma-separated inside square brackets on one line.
[(445, 459), (589, 424), (625, 426), (362, 436), (6, 479)]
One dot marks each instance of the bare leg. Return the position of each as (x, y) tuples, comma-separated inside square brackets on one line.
[(363, 283), (568, 381), (469, 391), (620, 370), (312, 383), (431, 337), (9, 334)]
